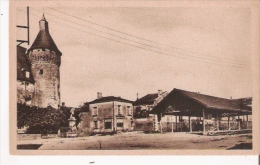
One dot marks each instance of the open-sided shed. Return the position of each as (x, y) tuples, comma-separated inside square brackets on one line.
[(185, 103)]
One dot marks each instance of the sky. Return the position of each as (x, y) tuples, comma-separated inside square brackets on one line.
[(125, 51)]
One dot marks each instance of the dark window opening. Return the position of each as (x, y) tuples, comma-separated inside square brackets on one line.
[(119, 125), (108, 125), (120, 122), (41, 71)]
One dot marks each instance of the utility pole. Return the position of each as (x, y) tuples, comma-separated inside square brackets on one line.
[(26, 27)]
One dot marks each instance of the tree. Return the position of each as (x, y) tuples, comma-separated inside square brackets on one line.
[(40, 120)]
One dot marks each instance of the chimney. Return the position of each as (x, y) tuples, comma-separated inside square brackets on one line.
[(63, 104), (159, 92), (99, 95), (230, 97)]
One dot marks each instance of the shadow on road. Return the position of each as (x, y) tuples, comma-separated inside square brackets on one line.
[(28, 146), (242, 146)]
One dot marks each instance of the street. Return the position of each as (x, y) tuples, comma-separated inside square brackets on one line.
[(141, 141)]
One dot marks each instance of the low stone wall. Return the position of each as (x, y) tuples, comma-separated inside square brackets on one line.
[(143, 125), (34, 136)]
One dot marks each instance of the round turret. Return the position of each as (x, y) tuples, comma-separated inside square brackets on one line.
[(45, 58)]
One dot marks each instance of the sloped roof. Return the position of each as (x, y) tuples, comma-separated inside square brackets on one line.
[(44, 40), (108, 99), (147, 99), (23, 65), (209, 102), (213, 102)]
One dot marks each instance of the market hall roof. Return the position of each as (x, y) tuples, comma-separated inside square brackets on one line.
[(44, 39), (147, 99), (109, 99), (186, 100)]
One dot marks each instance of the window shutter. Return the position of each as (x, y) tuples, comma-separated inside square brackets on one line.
[(91, 124), (116, 111)]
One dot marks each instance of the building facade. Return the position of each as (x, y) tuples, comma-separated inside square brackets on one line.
[(25, 81), (142, 107), (145, 104), (107, 114)]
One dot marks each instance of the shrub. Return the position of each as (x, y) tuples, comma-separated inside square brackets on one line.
[(87, 132), (40, 120)]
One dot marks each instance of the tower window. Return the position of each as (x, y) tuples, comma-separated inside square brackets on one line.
[(41, 71)]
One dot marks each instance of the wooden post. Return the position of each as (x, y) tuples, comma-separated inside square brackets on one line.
[(228, 122), (161, 123), (176, 123), (180, 122), (172, 126), (190, 124), (238, 122), (203, 115), (28, 25), (113, 120), (246, 121), (217, 123)]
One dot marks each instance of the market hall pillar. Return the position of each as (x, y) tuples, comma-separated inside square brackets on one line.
[(203, 115)]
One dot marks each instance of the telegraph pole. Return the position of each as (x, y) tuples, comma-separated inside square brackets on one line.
[(26, 27)]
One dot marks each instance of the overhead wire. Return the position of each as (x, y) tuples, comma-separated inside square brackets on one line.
[(217, 60), (194, 52), (158, 52)]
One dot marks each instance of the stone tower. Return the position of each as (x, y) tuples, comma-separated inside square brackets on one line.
[(45, 59)]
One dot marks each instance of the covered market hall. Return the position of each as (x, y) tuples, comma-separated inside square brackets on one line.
[(203, 113)]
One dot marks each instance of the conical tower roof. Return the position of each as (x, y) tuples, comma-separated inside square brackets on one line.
[(44, 39)]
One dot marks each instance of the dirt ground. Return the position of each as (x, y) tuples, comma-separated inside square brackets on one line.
[(138, 140)]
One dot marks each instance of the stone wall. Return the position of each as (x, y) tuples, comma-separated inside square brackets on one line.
[(45, 70)]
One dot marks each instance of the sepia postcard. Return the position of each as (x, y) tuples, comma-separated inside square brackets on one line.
[(134, 77)]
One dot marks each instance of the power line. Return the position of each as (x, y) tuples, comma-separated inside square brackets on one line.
[(194, 52), (142, 47), (101, 25), (143, 43)]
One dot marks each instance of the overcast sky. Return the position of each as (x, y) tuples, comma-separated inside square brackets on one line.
[(204, 50)]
